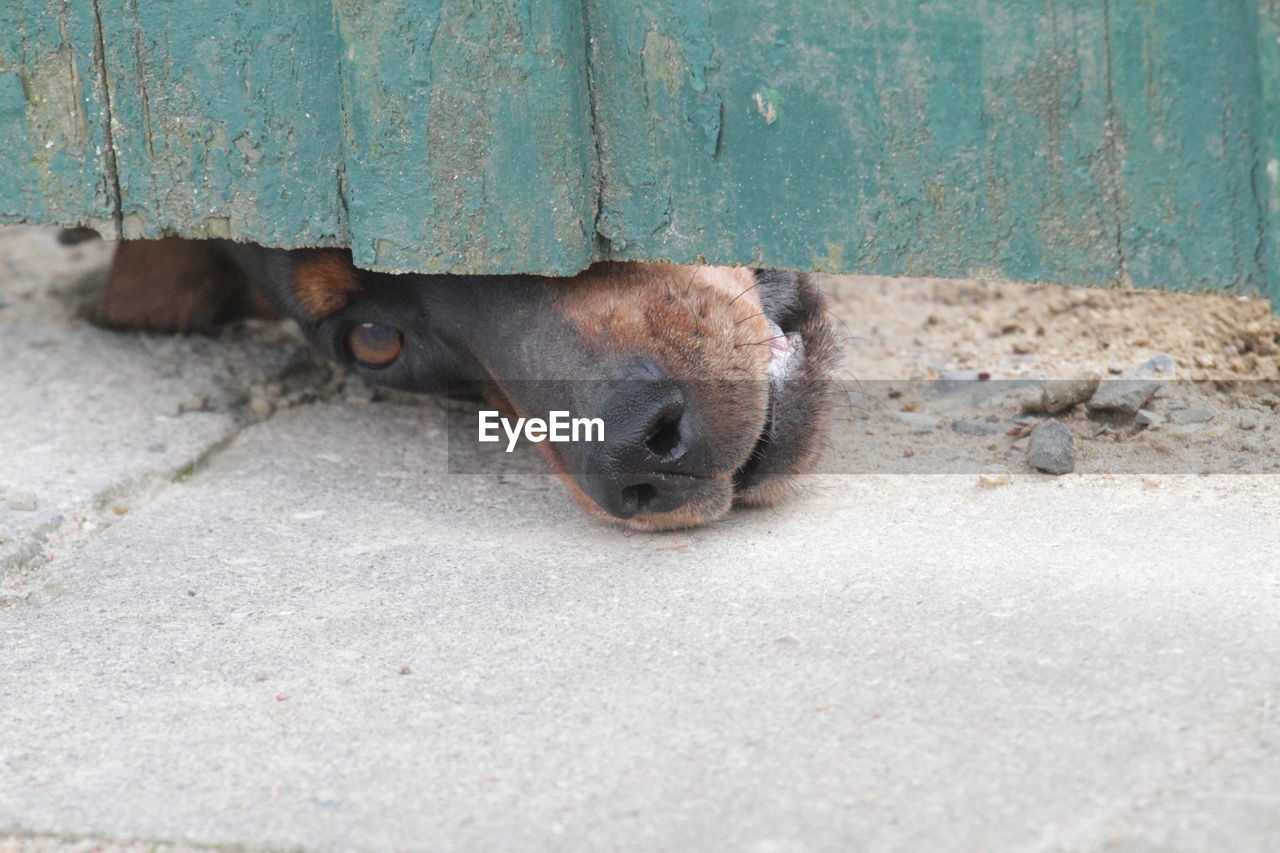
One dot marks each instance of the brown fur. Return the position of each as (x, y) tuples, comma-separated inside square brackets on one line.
[(175, 285), (324, 282)]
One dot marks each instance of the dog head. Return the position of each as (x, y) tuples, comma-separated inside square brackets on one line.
[(712, 383)]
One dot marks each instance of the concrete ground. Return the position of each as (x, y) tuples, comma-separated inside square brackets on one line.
[(241, 604)]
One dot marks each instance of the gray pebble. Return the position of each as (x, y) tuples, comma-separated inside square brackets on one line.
[(1062, 394), (193, 404), (1190, 416), (23, 502), (976, 428), (1250, 419), (1146, 417), (1052, 448), (1126, 396), (1161, 365)]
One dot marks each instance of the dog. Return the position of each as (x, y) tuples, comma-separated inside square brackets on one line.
[(713, 383)]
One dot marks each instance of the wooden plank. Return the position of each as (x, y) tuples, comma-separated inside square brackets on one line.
[(227, 120), (53, 116), (1266, 169), (1188, 114), (467, 135), (1079, 141)]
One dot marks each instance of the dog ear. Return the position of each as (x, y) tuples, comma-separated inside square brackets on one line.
[(175, 285)]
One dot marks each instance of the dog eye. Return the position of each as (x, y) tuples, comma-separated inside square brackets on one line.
[(374, 345)]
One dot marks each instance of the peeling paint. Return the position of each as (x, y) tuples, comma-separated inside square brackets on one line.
[(664, 60), (54, 117), (767, 104)]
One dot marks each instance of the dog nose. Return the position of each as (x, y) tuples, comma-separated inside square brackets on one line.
[(653, 452)]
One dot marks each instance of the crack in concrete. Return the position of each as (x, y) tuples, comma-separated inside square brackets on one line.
[(19, 840), (21, 578)]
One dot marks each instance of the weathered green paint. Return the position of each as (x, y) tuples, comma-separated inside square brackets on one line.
[(1084, 141), (52, 115), (1267, 133)]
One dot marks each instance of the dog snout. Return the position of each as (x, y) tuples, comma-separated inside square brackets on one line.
[(654, 455)]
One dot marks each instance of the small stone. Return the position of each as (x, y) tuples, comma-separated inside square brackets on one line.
[(1148, 418), (995, 477), (1251, 445), (976, 428), (1190, 416), (23, 502), (1250, 419), (1159, 366), (920, 423), (1126, 396), (197, 403), (260, 407), (1029, 398), (1052, 448), (1061, 394), (951, 381)]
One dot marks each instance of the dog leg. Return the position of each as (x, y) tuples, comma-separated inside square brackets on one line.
[(176, 285)]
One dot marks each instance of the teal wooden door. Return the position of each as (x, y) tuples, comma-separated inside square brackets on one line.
[(1077, 141)]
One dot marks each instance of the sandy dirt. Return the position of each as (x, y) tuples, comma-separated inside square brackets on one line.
[(925, 353)]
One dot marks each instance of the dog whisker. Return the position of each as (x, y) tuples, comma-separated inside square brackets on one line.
[(744, 293), (760, 343)]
